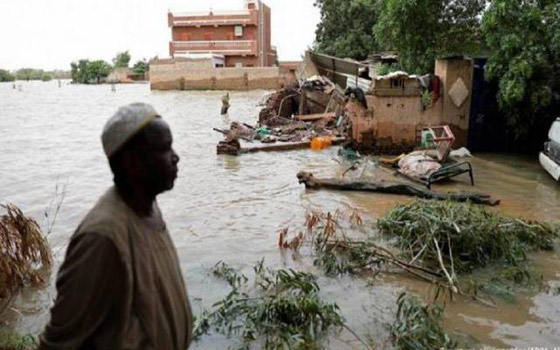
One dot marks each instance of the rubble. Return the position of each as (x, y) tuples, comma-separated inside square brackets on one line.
[(282, 121)]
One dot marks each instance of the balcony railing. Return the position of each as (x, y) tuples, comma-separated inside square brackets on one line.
[(231, 47), (250, 18)]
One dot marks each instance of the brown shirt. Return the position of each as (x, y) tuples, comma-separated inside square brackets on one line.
[(120, 286)]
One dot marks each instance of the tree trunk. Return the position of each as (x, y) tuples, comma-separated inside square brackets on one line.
[(397, 188)]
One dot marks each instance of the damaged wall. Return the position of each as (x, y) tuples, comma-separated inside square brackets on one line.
[(395, 114), (198, 74)]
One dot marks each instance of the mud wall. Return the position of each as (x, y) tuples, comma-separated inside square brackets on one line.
[(199, 74), (398, 119)]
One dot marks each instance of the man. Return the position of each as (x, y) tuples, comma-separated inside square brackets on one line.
[(120, 286), (225, 104)]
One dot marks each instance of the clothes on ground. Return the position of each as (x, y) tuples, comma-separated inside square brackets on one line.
[(418, 165)]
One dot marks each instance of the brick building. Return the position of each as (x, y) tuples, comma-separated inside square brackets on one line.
[(242, 37)]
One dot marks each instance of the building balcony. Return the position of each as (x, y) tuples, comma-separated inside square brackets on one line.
[(224, 47), (217, 19)]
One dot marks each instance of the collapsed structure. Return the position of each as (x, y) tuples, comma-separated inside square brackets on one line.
[(388, 113)]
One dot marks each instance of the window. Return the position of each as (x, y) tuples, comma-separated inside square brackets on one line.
[(238, 31), (396, 83)]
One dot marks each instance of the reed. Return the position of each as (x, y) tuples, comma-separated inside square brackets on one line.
[(24, 252)]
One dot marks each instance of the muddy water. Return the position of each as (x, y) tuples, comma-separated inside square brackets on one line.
[(231, 209)]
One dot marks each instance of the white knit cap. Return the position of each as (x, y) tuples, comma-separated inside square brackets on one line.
[(124, 124)]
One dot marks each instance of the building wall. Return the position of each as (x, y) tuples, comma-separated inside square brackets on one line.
[(190, 74), (246, 61), (269, 57), (259, 30), (449, 71), (209, 33), (396, 118)]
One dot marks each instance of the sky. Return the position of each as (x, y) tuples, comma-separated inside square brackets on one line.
[(49, 34)]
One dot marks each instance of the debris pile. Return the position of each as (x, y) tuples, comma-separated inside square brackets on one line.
[(438, 242), (296, 114), (280, 106)]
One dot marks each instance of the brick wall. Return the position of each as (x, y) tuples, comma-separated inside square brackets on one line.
[(216, 33), (188, 74)]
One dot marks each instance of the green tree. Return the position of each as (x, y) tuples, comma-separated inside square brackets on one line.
[(346, 28), (141, 67), (6, 76), (524, 38), (121, 60), (97, 70), (89, 72), (46, 76), (422, 30)]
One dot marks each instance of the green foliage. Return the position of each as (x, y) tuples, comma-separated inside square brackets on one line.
[(418, 327), (121, 60), (141, 67), (346, 28), (385, 69), (422, 30), (33, 74), (13, 341), (464, 236), (524, 38), (427, 99), (46, 77), (282, 310), (89, 72), (6, 76)]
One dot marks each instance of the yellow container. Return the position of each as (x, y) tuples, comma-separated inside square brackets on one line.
[(320, 143)]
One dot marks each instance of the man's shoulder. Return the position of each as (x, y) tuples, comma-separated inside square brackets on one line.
[(108, 217)]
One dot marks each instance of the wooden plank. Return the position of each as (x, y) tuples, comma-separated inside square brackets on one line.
[(285, 146), (313, 117)]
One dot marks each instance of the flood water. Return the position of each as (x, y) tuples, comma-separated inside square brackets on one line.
[(232, 208)]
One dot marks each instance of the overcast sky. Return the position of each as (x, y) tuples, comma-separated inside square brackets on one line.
[(49, 34)]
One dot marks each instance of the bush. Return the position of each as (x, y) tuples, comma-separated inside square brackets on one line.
[(464, 236), (6, 76)]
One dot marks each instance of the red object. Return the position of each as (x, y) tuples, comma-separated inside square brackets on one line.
[(436, 85), (444, 139)]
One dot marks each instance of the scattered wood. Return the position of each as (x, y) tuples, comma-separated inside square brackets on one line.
[(315, 117), (285, 146), (395, 188)]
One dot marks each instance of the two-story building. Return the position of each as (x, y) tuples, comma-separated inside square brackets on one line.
[(243, 37)]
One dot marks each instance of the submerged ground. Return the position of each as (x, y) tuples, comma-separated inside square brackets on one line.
[(232, 208)]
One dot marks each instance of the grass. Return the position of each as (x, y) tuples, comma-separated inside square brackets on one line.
[(24, 251), (278, 310)]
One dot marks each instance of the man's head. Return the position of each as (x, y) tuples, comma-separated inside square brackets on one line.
[(138, 144)]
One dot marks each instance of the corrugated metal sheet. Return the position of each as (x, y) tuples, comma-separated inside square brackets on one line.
[(337, 69)]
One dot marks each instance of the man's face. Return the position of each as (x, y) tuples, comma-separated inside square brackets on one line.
[(157, 158)]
